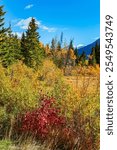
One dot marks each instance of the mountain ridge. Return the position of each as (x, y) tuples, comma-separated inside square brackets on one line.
[(87, 49)]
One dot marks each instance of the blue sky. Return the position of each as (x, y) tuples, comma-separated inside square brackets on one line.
[(77, 19)]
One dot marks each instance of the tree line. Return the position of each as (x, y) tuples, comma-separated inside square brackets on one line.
[(31, 51)]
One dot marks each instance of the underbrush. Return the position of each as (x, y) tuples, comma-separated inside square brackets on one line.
[(49, 127), (39, 108), (5, 144)]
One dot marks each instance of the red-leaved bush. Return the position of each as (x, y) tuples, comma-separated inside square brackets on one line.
[(40, 121), (47, 125)]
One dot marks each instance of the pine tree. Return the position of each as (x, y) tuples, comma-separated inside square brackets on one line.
[(3, 30), (77, 55), (70, 54), (10, 51), (61, 39), (53, 45), (33, 52), (23, 46), (9, 44), (97, 53), (71, 45), (92, 58), (17, 47), (82, 58), (58, 46)]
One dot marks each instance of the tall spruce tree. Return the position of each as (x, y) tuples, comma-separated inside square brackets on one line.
[(10, 51), (33, 52), (23, 46), (9, 44), (2, 28)]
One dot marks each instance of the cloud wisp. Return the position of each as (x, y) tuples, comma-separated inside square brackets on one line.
[(23, 24), (43, 27), (29, 6)]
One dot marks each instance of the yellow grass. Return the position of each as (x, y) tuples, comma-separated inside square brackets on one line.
[(87, 82)]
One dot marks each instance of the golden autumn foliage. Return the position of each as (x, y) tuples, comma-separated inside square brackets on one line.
[(47, 50), (72, 55), (21, 87), (18, 88), (86, 70)]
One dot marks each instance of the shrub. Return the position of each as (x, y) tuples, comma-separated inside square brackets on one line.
[(18, 93), (52, 84), (18, 88), (49, 73), (5, 144), (38, 122)]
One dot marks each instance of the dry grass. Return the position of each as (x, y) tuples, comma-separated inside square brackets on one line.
[(85, 81), (84, 85)]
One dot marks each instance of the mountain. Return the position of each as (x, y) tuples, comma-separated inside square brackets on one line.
[(88, 48)]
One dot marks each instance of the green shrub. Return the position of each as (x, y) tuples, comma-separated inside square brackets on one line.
[(18, 93), (5, 144)]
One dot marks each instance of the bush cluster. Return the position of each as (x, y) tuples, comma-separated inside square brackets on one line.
[(38, 123)]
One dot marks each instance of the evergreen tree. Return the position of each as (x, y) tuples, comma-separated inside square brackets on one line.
[(70, 54), (61, 39), (77, 55), (2, 29), (10, 49), (17, 47), (82, 58), (97, 53), (9, 44), (33, 52), (58, 46), (2, 34), (23, 46), (53, 45), (71, 45), (92, 57)]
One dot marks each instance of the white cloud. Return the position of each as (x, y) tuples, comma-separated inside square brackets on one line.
[(23, 24), (29, 6), (15, 20), (43, 27), (80, 45)]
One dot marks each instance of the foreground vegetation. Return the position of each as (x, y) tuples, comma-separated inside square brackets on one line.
[(49, 95), (61, 113)]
